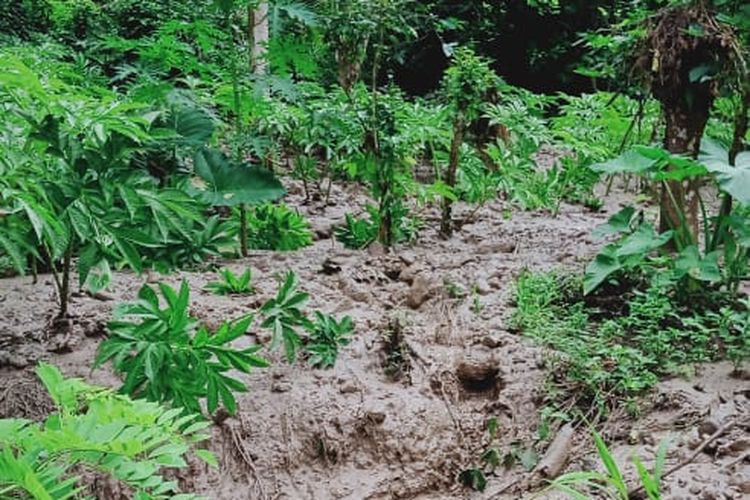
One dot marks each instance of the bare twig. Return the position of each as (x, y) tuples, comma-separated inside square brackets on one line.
[(713, 437)]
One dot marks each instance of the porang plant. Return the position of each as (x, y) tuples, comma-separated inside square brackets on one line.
[(88, 206), (96, 430), (165, 355), (466, 85)]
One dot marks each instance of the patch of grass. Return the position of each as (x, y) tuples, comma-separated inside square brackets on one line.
[(604, 356)]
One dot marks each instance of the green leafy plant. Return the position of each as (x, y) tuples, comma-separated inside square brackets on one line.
[(616, 343), (284, 317), (96, 429), (357, 233), (725, 234), (327, 335), (166, 356), (611, 483), (466, 84), (87, 200), (232, 183), (277, 227), (231, 284)]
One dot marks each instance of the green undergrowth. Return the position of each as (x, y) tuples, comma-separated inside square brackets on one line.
[(610, 347)]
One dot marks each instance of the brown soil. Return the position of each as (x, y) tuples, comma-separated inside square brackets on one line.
[(372, 428)]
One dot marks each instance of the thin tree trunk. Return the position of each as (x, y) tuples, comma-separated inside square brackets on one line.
[(680, 200), (261, 36), (446, 222), (243, 230)]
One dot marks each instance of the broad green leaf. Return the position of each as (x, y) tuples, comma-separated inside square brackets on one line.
[(630, 161), (618, 223), (207, 457), (230, 183), (642, 241), (604, 265)]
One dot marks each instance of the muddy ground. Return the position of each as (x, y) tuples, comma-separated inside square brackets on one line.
[(375, 428)]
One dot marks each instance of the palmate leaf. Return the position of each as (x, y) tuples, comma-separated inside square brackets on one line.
[(230, 183)]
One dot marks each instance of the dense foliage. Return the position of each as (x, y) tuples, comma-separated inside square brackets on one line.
[(156, 136)]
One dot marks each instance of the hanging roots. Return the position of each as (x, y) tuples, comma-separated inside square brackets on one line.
[(687, 47)]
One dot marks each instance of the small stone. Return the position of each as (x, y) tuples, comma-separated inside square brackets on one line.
[(707, 427), (739, 445), (482, 287), (348, 387), (407, 258), (330, 266), (264, 336), (694, 489), (492, 341), (322, 230), (375, 415), (410, 272), (281, 386), (419, 291)]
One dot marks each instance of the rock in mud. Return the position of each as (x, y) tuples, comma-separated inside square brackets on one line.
[(419, 292), (281, 386), (347, 386), (557, 454), (321, 229), (375, 414), (410, 272), (493, 341), (479, 372), (330, 266), (494, 248), (482, 287)]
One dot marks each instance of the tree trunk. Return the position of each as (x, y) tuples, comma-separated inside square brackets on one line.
[(680, 199), (260, 38), (446, 222)]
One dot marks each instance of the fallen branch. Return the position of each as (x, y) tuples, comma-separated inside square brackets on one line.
[(557, 453), (713, 437)]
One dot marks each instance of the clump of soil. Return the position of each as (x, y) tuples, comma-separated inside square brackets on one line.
[(23, 396)]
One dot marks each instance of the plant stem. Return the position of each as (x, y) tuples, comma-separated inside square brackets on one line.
[(243, 230), (65, 285), (446, 225)]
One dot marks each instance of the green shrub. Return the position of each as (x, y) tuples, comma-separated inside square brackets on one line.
[(327, 335), (277, 227), (231, 284), (166, 356), (129, 440), (617, 345)]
